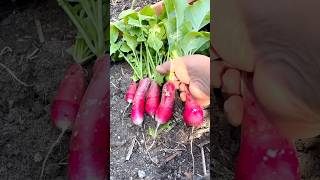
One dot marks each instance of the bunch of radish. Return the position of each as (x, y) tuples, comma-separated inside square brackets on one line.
[(146, 40)]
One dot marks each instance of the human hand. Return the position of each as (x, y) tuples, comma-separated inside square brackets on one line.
[(159, 6), (192, 73), (279, 43)]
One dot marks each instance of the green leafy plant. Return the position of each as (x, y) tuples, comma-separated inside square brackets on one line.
[(145, 40), (140, 39), (162, 128), (89, 17)]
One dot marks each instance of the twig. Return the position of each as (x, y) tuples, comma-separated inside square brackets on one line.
[(169, 158), (5, 50), (14, 76), (122, 72), (131, 149), (62, 160), (199, 133), (144, 140), (151, 158), (180, 144), (124, 112), (32, 55), (169, 150), (114, 85), (132, 4), (49, 152), (63, 163), (39, 30), (203, 157)]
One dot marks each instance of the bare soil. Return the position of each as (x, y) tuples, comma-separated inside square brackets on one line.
[(26, 131), (170, 157)]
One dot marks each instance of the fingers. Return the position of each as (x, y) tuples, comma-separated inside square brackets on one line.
[(234, 110), (158, 7), (231, 82), (178, 67), (202, 98), (183, 89), (226, 78), (164, 68), (218, 69), (183, 96)]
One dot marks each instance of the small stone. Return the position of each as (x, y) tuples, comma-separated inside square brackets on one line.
[(37, 157), (141, 174), (119, 137)]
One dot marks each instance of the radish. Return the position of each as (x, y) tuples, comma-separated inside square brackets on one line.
[(67, 100), (165, 109), (138, 102), (152, 99), (89, 146), (66, 104), (193, 112), (192, 116), (129, 97), (131, 92), (264, 153)]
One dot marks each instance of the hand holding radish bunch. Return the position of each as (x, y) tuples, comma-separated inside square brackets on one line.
[(191, 73)]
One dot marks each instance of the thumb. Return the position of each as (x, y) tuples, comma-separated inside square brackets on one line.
[(164, 68)]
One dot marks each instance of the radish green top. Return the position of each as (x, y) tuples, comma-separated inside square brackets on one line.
[(89, 17), (145, 40)]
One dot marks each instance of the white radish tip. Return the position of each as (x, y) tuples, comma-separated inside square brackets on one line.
[(63, 124), (138, 121)]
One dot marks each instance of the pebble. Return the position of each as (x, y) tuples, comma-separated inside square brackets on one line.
[(141, 174), (37, 157)]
